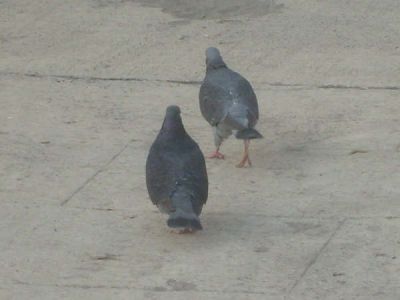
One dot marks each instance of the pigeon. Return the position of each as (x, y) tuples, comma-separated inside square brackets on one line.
[(176, 174), (229, 104)]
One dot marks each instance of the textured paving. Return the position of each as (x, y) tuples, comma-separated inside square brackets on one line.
[(83, 90)]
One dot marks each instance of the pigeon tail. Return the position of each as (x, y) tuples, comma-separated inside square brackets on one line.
[(248, 134), (184, 220)]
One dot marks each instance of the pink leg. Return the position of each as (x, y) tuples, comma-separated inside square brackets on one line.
[(246, 157), (217, 154)]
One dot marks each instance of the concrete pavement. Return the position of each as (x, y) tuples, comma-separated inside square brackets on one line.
[(83, 90)]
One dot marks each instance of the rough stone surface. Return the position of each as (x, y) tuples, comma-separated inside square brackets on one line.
[(82, 84)]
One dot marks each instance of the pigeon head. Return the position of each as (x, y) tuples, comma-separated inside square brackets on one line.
[(173, 121), (173, 111), (214, 59)]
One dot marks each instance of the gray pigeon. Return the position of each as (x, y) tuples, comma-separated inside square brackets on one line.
[(176, 174), (229, 104)]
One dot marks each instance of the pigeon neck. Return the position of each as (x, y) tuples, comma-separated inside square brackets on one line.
[(215, 66)]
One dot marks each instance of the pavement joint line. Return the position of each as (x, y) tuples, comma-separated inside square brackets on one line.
[(197, 82), (127, 287), (299, 217), (314, 260), (100, 170), (96, 78), (321, 218)]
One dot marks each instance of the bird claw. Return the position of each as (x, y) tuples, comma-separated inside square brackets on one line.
[(242, 163), (182, 230), (186, 230), (217, 155)]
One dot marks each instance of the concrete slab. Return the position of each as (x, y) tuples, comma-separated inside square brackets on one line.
[(299, 43), (361, 262), (50, 131), (238, 254), (83, 90), (319, 158)]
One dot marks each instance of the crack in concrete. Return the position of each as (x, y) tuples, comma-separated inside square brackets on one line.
[(197, 82), (315, 258), (100, 170), (257, 215), (96, 78)]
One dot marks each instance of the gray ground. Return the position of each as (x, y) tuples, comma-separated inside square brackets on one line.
[(83, 90)]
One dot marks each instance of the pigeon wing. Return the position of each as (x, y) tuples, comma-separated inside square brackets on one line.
[(160, 177), (194, 177), (182, 167), (245, 96), (214, 101)]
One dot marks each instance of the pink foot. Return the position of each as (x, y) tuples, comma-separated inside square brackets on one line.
[(242, 163), (217, 155)]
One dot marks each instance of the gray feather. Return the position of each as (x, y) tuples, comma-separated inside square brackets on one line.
[(176, 175), (227, 98)]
